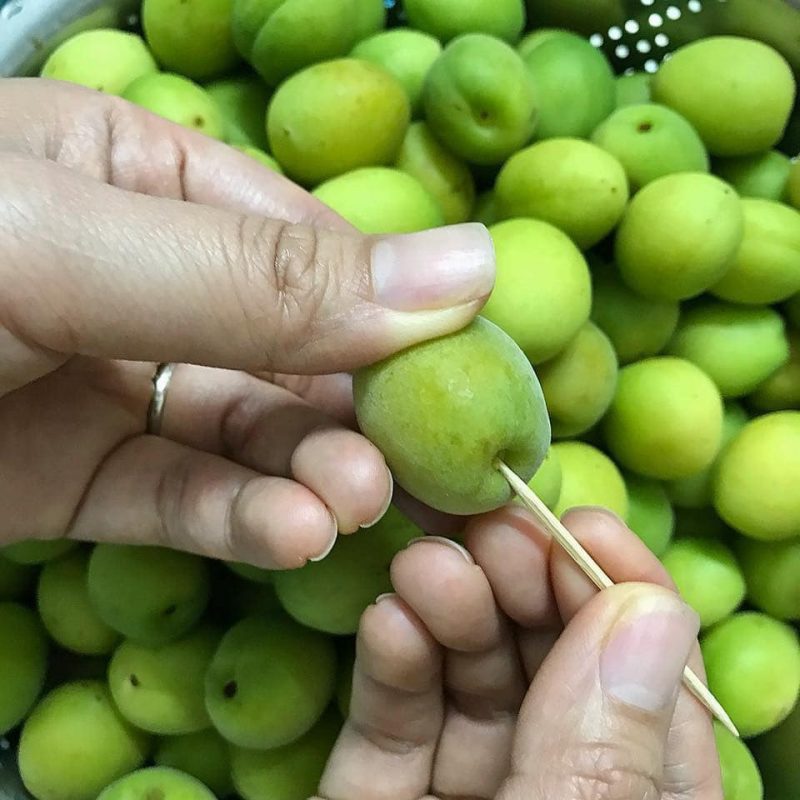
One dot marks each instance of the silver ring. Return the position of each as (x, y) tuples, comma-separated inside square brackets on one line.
[(155, 413)]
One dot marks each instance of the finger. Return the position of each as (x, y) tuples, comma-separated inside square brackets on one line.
[(692, 771), (514, 553), (621, 554), (118, 143), (150, 279), (272, 431), (596, 718), (387, 745), (439, 580), (484, 683), (155, 492), (333, 394)]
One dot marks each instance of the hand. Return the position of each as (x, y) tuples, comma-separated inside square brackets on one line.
[(504, 674), (126, 241)]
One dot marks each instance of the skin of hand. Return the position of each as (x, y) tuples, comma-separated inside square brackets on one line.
[(126, 241), (499, 672)]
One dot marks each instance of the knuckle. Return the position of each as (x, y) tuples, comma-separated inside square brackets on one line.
[(606, 771), (281, 279)]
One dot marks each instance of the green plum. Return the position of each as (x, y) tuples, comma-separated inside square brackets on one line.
[(708, 577), (579, 15), (15, 579), (776, 754), (772, 572), (23, 663), (242, 101), (149, 594), (178, 100), (757, 477), (574, 185), (405, 53), (741, 779), (447, 19), (380, 200), (575, 87), (447, 178), (737, 92), (781, 390), (479, 99), (442, 412), (753, 667), (766, 268), (633, 89), (651, 141), (269, 682), (542, 292), (204, 755), (291, 772), (589, 478), (737, 347), (66, 610), (579, 383), (697, 491), (191, 38), (282, 37), (546, 483), (337, 116), (637, 326), (763, 175), (793, 185), (75, 743), (161, 689), (104, 59), (485, 210), (369, 18), (650, 514), (37, 551), (665, 421), (679, 236), (330, 595), (163, 783)]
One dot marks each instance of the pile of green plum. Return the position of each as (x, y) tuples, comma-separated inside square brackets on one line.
[(647, 235)]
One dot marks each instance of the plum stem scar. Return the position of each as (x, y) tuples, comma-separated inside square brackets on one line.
[(595, 573)]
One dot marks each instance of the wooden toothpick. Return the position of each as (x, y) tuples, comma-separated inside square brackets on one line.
[(595, 573)]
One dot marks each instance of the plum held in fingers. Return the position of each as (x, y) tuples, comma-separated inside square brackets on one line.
[(443, 412)]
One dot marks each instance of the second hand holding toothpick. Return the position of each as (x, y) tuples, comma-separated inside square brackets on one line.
[(595, 573)]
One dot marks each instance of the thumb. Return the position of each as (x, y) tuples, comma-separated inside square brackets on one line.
[(129, 276), (596, 718)]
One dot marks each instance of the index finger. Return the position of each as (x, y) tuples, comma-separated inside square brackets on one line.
[(117, 143)]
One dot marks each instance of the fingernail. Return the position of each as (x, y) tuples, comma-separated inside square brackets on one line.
[(597, 510), (643, 660), (462, 551), (331, 543), (386, 596), (386, 504), (433, 269)]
